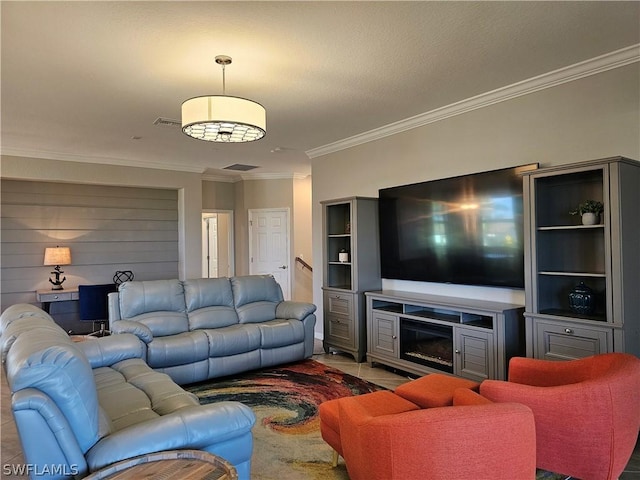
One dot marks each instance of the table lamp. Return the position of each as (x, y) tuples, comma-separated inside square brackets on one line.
[(57, 256)]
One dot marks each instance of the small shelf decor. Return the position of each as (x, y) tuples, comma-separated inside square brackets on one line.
[(581, 300), (590, 212)]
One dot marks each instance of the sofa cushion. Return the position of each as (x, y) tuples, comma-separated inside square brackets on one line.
[(158, 304), (278, 333), (434, 390), (205, 292), (18, 311), (180, 349), (257, 312), (256, 297), (130, 392), (123, 403), (163, 324), (24, 323), (233, 340), (252, 288), (209, 303)]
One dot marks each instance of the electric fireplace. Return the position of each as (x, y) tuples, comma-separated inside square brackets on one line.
[(427, 344)]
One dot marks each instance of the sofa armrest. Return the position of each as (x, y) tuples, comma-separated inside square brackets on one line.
[(113, 306), (196, 427), (136, 328), (45, 434), (296, 310), (105, 351)]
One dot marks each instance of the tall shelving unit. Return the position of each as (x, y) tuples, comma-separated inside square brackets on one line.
[(350, 226), (562, 252)]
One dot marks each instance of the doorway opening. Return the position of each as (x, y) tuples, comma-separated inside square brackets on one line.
[(217, 244)]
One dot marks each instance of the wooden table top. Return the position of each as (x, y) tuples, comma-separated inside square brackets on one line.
[(169, 465)]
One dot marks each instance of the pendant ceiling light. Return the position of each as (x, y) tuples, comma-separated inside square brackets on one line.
[(221, 118)]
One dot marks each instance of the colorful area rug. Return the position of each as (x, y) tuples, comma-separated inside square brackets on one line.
[(287, 441)]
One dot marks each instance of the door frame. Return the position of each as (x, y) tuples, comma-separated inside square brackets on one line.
[(232, 254)]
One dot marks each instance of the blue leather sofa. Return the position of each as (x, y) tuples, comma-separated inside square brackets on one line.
[(81, 406), (195, 330)]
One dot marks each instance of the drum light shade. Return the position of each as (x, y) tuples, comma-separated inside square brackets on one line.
[(220, 118)]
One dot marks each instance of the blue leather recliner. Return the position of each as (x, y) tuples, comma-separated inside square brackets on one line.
[(79, 407)]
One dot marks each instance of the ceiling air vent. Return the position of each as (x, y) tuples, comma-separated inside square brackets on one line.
[(167, 122), (240, 167)]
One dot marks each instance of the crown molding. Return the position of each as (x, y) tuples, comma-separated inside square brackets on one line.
[(209, 177), (273, 176), (593, 66), (254, 176), (73, 157), (70, 157)]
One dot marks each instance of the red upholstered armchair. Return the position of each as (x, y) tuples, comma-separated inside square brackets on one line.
[(587, 411), (467, 442)]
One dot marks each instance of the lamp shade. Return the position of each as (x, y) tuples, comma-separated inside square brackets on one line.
[(221, 118), (57, 256)]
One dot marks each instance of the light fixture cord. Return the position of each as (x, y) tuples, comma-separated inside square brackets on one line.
[(224, 83)]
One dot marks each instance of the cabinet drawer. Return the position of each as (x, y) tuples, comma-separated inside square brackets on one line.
[(57, 297), (567, 342), (340, 330), (339, 304)]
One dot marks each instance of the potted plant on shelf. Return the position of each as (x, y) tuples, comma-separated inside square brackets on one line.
[(590, 212)]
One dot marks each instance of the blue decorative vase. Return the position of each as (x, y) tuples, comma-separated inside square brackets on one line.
[(582, 300)]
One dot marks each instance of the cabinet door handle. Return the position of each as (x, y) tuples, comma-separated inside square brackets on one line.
[(568, 330), (394, 337), (55, 296), (458, 352)]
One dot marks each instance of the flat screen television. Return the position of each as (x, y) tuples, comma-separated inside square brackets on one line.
[(466, 230)]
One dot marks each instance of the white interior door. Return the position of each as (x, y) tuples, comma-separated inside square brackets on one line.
[(269, 245)]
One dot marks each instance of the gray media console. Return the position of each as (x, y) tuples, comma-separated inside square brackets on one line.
[(421, 334)]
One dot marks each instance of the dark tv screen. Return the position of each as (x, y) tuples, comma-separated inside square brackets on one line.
[(466, 230)]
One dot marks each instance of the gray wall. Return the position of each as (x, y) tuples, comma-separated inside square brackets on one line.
[(107, 228), (593, 117), (218, 195), (188, 185)]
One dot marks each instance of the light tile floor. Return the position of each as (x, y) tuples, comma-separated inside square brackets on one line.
[(11, 452), (388, 378)]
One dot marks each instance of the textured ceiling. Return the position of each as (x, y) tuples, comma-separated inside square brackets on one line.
[(85, 81)]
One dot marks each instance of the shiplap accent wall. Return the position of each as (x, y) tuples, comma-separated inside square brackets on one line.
[(108, 228)]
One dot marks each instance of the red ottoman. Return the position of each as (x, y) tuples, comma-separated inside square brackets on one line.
[(377, 404), (434, 390)]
